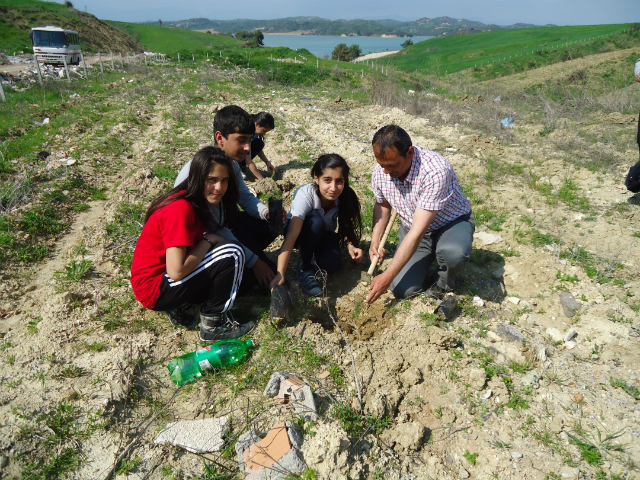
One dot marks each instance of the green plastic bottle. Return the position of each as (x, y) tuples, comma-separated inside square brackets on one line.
[(224, 353)]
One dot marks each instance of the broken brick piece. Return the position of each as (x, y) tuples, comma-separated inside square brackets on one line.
[(266, 452)]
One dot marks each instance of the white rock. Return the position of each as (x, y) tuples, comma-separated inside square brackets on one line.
[(555, 334), (516, 455), (570, 345), (451, 149), (463, 473), (487, 394), (197, 436), (487, 238), (493, 337), (514, 300), (572, 332), (478, 302)]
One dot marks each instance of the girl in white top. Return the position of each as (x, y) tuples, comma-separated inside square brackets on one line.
[(324, 214)]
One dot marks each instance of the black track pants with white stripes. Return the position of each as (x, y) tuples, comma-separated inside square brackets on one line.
[(213, 283)]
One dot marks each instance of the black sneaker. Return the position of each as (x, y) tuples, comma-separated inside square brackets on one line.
[(309, 283), (183, 316), (222, 326)]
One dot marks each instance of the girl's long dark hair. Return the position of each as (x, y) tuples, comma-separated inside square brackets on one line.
[(349, 218), (192, 189)]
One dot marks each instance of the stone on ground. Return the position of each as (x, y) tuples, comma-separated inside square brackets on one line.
[(196, 436)]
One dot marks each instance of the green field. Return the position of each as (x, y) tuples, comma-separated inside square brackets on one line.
[(523, 48), (170, 40)]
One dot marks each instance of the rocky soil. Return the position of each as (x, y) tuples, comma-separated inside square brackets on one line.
[(535, 377)]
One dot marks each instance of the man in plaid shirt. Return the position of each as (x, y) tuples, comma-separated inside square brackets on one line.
[(437, 221)]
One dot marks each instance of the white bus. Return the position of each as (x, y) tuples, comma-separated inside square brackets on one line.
[(52, 44)]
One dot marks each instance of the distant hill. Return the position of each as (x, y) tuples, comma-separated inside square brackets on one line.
[(434, 27), (17, 17)]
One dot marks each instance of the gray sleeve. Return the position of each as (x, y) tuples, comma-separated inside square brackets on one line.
[(247, 200), (302, 203), (637, 70), (182, 176)]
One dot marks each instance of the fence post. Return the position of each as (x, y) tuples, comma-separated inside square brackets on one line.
[(121, 64), (193, 58), (100, 60), (35, 57), (4, 99), (178, 57), (128, 61), (66, 68), (84, 66), (112, 67)]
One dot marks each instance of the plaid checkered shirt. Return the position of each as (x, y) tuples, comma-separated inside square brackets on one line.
[(431, 184)]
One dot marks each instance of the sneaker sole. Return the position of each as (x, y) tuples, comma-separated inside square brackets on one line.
[(226, 337)]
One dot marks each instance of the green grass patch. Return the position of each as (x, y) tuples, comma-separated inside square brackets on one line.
[(355, 424)]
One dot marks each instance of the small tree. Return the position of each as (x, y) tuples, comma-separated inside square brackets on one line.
[(67, 3), (259, 36), (340, 53), (407, 43), (160, 22), (354, 51)]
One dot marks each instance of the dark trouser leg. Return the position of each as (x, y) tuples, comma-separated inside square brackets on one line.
[(412, 277), (328, 252), (638, 137), (213, 283), (453, 248), (309, 240), (254, 234), (450, 245)]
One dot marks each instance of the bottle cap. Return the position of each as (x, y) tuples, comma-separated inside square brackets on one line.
[(249, 343)]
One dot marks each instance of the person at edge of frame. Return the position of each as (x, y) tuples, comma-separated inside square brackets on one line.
[(632, 181)]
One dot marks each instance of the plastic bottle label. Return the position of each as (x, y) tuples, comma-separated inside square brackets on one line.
[(203, 350), (205, 365)]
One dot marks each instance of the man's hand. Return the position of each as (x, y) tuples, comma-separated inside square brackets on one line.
[(277, 280), (356, 253), (375, 250), (378, 286), (270, 167), (284, 215), (263, 273)]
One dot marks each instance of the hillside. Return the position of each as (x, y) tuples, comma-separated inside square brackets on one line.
[(165, 39), (513, 50), (435, 27), (18, 16)]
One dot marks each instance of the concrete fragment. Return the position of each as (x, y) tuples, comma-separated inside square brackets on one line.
[(463, 473), (196, 436), (569, 334), (516, 455), (510, 333), (478, 302), (514, 300), (273, 385), (288, 388), (570, 305), (570, 345), (487, 238), (555, 334)]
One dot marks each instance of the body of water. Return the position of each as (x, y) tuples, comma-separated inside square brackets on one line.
[(322, 46)]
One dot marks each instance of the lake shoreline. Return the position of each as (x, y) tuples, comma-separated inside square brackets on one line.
[(308, 34)]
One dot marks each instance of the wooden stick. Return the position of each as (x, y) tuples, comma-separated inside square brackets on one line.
[(394, 214)]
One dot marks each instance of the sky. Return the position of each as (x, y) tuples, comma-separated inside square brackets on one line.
[(500, 12)]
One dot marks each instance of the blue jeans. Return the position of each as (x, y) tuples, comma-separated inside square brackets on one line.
[(315, 240)]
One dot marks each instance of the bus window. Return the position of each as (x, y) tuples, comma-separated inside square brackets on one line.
[(49, 39)]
